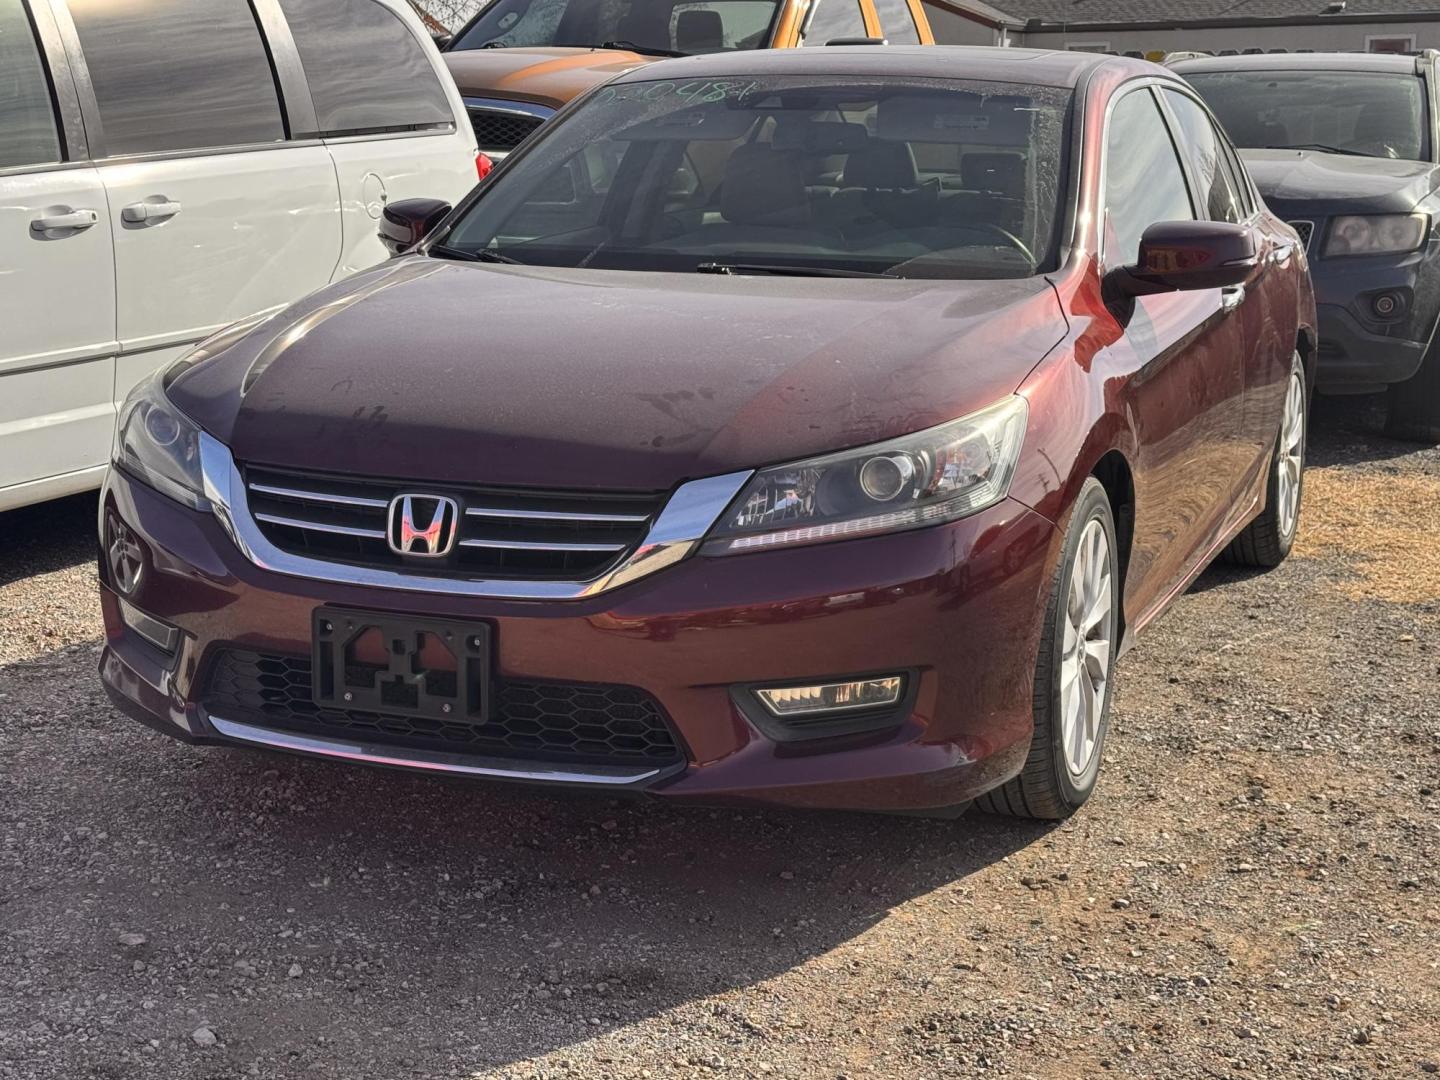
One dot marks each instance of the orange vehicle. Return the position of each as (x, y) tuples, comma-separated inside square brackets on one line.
[(518, 61)]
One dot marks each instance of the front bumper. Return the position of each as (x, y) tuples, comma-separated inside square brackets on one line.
[(1359, 349), (958, 606)]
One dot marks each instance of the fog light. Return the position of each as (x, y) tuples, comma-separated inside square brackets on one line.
[(1386, 305), (160, 634), (832, 697)]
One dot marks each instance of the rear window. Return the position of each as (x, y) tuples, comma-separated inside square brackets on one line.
[(178, 74), (933, 179), (1368, 113), (661, 27), (367, 72), (27, 133)]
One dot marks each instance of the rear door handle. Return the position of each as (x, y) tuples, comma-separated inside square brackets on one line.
[(70, 221), (1232, 298), (142, 212)]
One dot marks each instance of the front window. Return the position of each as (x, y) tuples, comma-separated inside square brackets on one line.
[(1372, 114), (786, 175), (662, 27)]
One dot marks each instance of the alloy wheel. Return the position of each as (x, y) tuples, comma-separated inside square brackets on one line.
[(1088, 646), (1292, 455), (126, 561)]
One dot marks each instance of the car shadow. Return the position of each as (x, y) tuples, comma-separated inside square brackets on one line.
[(1350, 430), (48, 536), (533, 920)]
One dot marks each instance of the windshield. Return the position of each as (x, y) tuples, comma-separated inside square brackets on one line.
[(927, 179), (1376, 114), (677, 27)]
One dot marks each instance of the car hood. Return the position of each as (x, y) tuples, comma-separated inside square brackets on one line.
[(550, 76), (1308, 181), (471, 374)]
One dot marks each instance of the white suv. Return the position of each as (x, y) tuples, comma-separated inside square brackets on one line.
[(170, 166)]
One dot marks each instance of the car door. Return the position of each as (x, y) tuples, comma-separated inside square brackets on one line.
[(215, 211), (57, 276), (1185, 349), (387, 110), (1223, 194), (831, 20)]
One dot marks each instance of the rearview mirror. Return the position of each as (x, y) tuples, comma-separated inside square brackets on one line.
[(405, 222), (1182, 256)]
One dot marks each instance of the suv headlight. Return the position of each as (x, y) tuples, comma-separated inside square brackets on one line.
[(157, 443), (1380, 234), (923, 479)]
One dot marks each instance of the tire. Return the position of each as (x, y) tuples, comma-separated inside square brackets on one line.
[(1412, 411), (1266, 541), (1050, 787)]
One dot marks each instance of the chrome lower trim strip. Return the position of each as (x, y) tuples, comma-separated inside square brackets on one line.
[(320, 497), (553, 515), (454, 764), (676, 533), (507, 105), (315, 526), (535, 545)]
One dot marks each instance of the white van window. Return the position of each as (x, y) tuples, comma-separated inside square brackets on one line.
[(366, 70), (178, 74), (27, 122)]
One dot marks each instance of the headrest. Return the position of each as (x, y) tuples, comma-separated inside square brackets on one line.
[(881, 165), (1003, 174), (764, 187), (698, 30)]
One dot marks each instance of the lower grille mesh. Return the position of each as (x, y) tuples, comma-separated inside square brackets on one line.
[(570, 723), (501, 131)]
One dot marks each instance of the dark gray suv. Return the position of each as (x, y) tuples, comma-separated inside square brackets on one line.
[(1345, 147)]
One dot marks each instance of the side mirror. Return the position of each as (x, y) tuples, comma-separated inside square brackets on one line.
[(406, 222), (442, 40), (1182, 256)]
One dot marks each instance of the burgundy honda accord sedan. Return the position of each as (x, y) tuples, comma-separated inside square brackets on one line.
[(811, 428)]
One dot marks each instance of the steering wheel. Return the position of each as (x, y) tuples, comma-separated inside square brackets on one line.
[(989, 227)]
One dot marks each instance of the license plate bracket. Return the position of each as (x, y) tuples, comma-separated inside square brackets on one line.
[(436, 669)]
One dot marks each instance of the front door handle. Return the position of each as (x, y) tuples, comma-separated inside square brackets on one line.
[(142, 213), (1232, 298), (68, 221)]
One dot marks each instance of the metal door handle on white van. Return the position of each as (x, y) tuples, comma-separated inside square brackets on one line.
[(141, 212), (73, 220)]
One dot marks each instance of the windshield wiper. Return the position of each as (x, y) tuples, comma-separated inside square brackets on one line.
[(643, 50), (1324, 149), (741, 269), (444, 251)]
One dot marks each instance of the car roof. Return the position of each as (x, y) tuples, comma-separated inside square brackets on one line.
[(1035, 67), (1336, 61)]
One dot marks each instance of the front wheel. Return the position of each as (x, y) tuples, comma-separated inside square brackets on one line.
[(1266, 541), (1073, 673)]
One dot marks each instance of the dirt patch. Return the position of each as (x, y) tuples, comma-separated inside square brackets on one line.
[(1388, 527)]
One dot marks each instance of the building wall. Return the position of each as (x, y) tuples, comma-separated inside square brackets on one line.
[(952, 28), (1341, 37)]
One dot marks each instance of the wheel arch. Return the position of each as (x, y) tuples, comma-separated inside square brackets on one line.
[(1115, 476)]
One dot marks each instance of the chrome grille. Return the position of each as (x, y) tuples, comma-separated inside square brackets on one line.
[(503, 532), (1306, 229), (501, 132)]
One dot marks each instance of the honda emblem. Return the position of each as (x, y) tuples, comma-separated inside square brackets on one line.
[(424, 525)]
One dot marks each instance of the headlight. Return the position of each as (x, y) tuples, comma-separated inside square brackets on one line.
[(1384, 234), (155, 442), (937, 475)]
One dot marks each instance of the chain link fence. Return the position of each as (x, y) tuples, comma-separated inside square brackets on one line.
[(451, 14)]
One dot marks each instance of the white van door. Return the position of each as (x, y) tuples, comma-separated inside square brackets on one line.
[(216, 212), (387, 108), (57, 289)]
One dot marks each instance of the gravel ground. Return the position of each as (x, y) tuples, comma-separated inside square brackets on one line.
[(1252, 892)]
